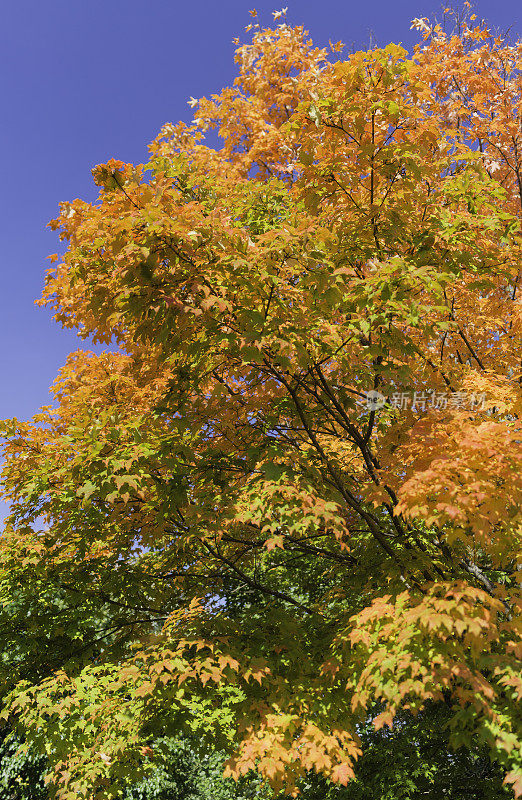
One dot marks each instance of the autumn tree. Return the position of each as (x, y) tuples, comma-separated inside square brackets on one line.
[(291, 491)]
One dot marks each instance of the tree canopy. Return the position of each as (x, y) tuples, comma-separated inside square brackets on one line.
[(290, 493)]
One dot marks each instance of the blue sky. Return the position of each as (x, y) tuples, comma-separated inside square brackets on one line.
[(86, 80)]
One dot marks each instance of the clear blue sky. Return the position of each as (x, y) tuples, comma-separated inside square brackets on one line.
[(86, 80)]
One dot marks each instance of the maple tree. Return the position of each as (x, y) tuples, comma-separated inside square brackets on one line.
[(409, 760), (357, 229)]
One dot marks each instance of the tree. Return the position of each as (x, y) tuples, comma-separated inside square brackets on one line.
[(21, 773), (409, 761), (412, 760), (294, 490)]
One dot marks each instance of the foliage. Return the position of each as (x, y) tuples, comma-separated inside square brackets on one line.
[(218, 531), (188, 775), (182, 773), (21, 773), (410, 760)]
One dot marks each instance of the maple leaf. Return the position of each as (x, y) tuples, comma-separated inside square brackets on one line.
[(342, 773)]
